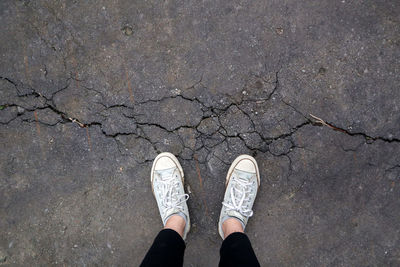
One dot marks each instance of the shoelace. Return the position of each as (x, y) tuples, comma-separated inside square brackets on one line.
[(169, 194), (240, 194)]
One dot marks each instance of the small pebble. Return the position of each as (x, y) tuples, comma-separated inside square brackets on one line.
[(176, 91), (279, 31), (127, 30)]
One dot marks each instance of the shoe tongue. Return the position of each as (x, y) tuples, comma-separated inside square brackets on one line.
[(169, 213), (236, 214)]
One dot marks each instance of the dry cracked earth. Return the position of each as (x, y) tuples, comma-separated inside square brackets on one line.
[(91, 91)]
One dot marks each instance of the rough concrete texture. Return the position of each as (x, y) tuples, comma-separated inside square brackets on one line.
[(91, 91)]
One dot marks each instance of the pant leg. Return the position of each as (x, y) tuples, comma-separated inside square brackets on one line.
[(167, 250), (236, 250)]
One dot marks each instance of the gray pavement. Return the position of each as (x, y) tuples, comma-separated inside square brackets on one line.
[(91, 91)]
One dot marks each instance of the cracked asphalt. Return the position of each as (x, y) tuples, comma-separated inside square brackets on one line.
[(91, 91)]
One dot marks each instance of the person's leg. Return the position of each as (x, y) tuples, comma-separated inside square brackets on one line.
[(242, 182), (236, 249), (168, 247), (167, 184)]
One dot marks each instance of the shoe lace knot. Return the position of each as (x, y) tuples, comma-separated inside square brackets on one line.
[(240, 195), (168, 186)]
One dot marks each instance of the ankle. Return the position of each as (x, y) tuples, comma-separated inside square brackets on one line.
[(232, 225), (176, 223)]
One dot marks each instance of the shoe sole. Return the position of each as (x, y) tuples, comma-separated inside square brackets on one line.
[(176, 161), (229, 175)]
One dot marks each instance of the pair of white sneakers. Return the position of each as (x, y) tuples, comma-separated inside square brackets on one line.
[(242, 182)]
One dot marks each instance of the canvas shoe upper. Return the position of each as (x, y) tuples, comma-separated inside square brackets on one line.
[(167, 184), (242, 182)]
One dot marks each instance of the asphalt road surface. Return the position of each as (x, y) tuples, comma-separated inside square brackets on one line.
[(91, 91)]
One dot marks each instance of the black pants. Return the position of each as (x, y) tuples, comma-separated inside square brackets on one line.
[(168, 249)]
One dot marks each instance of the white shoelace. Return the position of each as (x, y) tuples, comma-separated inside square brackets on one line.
[(169, 194), (240, 195)]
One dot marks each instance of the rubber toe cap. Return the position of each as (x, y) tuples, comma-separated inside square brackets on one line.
[(164, 163), (246, 165)]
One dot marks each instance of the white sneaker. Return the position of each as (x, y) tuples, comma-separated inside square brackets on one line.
[(242, 182), (167, 185)]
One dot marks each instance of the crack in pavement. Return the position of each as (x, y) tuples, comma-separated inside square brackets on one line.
[(208, 112)]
